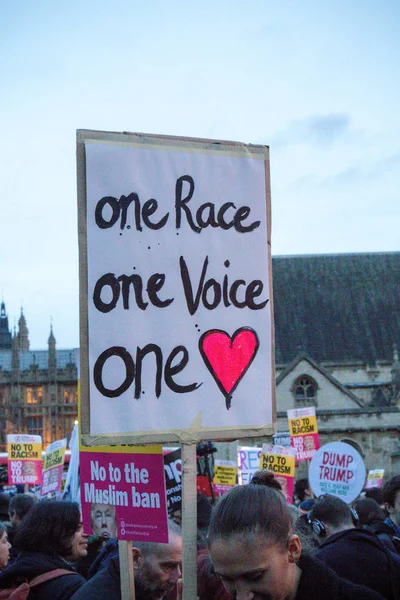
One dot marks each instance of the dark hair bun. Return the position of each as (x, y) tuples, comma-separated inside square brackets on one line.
[(266, 478)]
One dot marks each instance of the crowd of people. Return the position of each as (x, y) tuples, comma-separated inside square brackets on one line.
[(255, 546)]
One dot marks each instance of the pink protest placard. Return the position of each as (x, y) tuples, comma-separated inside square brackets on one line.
[(53, 467), (303, 432), (24, 459), (123, 495), (375, 478)]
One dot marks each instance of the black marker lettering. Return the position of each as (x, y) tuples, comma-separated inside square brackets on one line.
[(180, 203), (171, 370)]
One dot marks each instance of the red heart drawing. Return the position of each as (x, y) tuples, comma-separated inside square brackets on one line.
[(228, 358)]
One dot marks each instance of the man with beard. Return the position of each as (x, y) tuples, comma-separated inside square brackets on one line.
[(157, 570)]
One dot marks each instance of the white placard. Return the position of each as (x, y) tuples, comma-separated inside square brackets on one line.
[(248, 463), (179, 306), (337, 469)]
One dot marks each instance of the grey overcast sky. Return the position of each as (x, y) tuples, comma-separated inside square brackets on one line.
[(318, 81)]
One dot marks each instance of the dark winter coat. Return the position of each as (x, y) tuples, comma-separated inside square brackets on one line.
[(105, 585), (102, 560), (387, 535), (318, 582), (30, 564), (360, 557)]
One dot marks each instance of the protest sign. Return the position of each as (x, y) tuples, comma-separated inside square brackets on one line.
[(303, 432), (337, 469), (173, 479), (175, 289), (375, 478), (280, 460), (248, 463), (53, 468), (71, 490), (282, 438), (175, 296), (225, 472), (123, 493), (24, 459)]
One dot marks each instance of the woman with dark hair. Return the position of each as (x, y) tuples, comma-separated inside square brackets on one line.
[(4, 547), (257, 555), (50, 537)]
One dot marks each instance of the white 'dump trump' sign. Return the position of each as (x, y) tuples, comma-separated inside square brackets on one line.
[(337, 469), (175, 287)]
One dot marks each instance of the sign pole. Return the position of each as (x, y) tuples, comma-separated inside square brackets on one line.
[(126, 570), (189, 521)]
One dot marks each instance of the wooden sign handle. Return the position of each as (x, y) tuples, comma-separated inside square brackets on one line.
[(126, 570), (189, 521)]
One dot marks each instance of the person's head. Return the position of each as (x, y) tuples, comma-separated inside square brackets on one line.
[(54, 528), (103, 520), (302, 490), (368, 511), (376, 494), (158, 566), (19, 506), (266, 478), (391, 498), (252, 545), (330, 515), (4, 504), (4, 547), (306, 506)]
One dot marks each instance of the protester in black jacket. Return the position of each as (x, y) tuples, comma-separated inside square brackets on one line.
[(50, 537), (354, 554), (105, 585), (257, 555)]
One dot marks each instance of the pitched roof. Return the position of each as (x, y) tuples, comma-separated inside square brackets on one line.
[(304, 356), (338, 308), (40, 358)]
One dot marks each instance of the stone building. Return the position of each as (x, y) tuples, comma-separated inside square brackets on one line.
[(337, 341), (337, 337), (38, 388)]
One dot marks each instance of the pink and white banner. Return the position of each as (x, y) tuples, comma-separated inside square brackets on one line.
[(123, 495)]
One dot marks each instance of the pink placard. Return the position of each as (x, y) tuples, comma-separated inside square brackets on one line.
[(24, 459), (375, 478), (220, 489), (288, 490), (305, 445), (52, 480), (123, 496)]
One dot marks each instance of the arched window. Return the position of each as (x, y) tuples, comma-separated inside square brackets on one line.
[(305, 390)]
